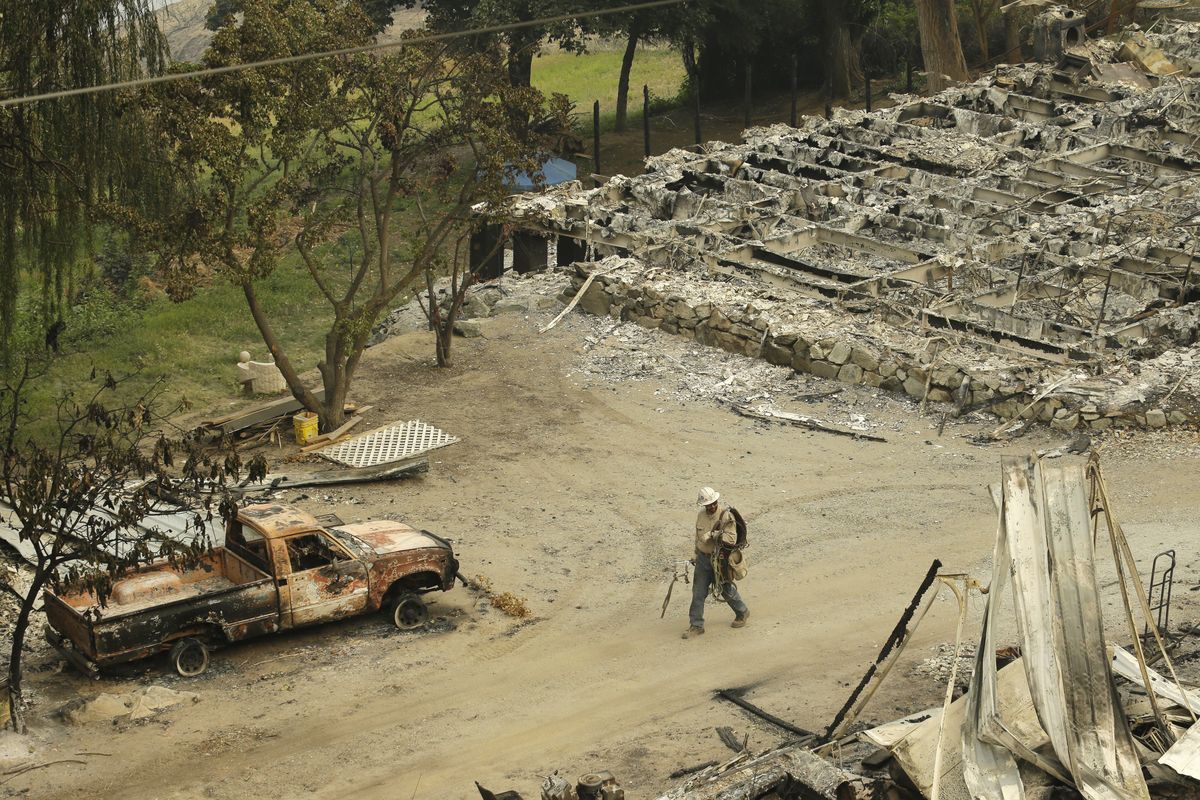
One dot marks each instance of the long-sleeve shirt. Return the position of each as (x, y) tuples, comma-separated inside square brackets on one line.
[(710, 526)]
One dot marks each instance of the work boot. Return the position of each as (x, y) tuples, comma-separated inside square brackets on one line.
[(692, 632), (740, 621)]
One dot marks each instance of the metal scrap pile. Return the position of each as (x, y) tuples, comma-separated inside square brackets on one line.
[(1065, 713)]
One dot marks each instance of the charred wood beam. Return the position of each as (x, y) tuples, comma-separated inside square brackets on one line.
[(898, 633), (735, 696)]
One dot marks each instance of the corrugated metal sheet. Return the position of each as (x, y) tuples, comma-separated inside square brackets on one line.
[(168, 521), (1184, 755), (1046, 516), (1125, 664)]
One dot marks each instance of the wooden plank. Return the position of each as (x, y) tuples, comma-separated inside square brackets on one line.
[(772, 415), (267, 411), (326, 439)]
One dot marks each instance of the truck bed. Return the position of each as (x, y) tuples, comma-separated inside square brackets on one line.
[(224, 596), (160, 584)]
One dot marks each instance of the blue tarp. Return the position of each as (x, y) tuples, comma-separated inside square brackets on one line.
[(554, 171)]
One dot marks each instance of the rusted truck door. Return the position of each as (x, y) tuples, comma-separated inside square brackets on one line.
[(325, 583)]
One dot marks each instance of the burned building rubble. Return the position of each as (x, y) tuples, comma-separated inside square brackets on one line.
[(1026, 244)]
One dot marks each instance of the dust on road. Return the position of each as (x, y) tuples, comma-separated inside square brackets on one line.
[(572, 488)]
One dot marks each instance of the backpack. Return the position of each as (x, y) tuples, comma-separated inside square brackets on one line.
[(740, 524)]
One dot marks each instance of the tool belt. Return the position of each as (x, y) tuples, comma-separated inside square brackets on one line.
[(729, 563)]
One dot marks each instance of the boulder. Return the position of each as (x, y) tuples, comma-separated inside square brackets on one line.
[(776, 354), (469, 328), (850, 373), (595, 301), (823, 369), (840, 353), (864, 359)]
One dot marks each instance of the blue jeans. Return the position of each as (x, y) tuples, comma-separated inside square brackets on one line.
[(703, 578)]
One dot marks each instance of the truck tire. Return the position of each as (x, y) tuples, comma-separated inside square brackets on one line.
[(408, 611), (189, 657)]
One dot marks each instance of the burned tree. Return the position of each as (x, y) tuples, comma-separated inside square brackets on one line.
[(76, 497)]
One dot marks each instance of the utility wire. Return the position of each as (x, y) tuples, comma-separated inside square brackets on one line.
[(345, 51)]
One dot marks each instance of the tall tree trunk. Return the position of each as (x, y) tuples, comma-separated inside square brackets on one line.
[(688, 53), (521, 48), (635, 33), (1012, 37), (981, 21), (841, 53), (940, 45)]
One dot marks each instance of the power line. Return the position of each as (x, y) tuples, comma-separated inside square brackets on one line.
[(345, 51)]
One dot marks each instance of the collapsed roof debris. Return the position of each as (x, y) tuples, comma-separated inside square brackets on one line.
[(1027, 243), (1065, 708)]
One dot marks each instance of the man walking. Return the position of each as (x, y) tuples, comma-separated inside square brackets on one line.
[(715, 528)]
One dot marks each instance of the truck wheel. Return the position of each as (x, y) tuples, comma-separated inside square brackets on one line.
[(189, 657), (409, 611)]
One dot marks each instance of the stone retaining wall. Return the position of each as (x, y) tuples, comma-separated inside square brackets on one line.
[(747, 331)]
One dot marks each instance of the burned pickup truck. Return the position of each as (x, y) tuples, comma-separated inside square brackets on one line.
[(279, 569)]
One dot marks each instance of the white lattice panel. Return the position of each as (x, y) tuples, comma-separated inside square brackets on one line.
[(393, 443)]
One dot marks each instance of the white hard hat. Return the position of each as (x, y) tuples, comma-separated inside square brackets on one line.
[(708, 496)]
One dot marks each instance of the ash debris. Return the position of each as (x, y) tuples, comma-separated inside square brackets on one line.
[(1032, 231)]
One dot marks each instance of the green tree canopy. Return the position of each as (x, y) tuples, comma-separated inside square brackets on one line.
[(363, 168), (58, 158)]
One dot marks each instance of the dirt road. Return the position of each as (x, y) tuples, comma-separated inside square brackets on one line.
[(575, 493)]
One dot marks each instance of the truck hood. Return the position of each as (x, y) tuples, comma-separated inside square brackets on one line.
[(383, 536)]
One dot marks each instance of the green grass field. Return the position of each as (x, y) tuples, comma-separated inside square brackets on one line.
[(593, 76), (193, 345)]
